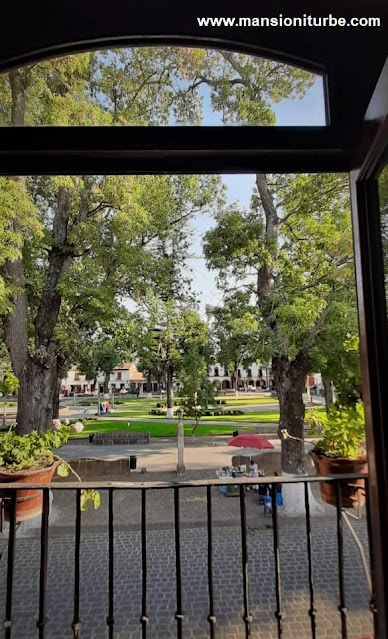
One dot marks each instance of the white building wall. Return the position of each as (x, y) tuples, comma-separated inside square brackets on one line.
[(75, 380)]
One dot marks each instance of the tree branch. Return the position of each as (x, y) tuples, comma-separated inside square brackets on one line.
[(316, 329), (59, 260)]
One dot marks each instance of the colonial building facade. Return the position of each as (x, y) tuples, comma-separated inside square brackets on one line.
[(254, 377), (126, 377), (123, 377)]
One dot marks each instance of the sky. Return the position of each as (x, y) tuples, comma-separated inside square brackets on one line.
[(309, 111)]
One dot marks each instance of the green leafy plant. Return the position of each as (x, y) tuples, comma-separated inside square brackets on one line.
[(7, 386), (341, 431), (35, 451)]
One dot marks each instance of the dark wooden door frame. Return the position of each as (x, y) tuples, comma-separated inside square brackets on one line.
[(372, 311)]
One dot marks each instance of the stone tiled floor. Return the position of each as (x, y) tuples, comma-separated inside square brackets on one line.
[(161, 583)]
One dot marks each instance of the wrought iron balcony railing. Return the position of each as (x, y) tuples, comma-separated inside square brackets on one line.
[(211, 613)]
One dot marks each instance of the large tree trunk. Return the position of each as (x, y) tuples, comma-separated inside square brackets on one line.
[(170, 402), (106, 383), (37, 396), (234, 380), (180, 469), (169, 386), (264, 274), (149, 383), (328, 390), (56, 399), (289, 378), (37, 371)]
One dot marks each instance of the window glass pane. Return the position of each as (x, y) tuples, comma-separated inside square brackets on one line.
[(161, 86), (383, 194)]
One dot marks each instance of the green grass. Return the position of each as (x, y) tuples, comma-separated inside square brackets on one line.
[(251, 416), (252, 401), (156, 429), (263, 416), (134, 413)]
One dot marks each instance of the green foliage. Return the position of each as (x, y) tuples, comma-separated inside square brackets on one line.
[(63, 470), (336, 351), (341, 431), (31, 451), (9, 384), (244, 88), (34, 451), (235, 327), (306, 261), (197, 391), (123, 234), (90, 496)]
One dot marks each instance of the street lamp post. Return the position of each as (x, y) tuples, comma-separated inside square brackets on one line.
[(180, 468)]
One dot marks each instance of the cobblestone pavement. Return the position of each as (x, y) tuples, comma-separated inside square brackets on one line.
[(161, 600)]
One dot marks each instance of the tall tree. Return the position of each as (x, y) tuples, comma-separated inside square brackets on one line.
[(59, 229), (235, 328), (197, 354), (293, 253)]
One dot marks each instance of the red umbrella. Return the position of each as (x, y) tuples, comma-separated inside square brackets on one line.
[(250, 440)]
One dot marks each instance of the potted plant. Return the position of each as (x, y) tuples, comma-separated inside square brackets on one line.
[(340, 449), (30, 459)]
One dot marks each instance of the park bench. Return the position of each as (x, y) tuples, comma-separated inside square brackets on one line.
[(121, 437)]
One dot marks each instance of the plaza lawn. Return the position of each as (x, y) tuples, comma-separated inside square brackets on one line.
[(251, 416), (160, 429), (246, 400)]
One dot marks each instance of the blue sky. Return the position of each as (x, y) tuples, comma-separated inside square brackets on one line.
[(309, 111)]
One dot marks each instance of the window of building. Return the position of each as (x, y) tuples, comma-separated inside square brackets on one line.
[(216, 373)]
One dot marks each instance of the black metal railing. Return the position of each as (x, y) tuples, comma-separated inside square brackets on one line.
[(144, 488)]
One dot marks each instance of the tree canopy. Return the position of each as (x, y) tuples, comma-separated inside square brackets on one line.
[(76, 247)]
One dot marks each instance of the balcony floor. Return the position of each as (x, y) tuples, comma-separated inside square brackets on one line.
[(161, 581)]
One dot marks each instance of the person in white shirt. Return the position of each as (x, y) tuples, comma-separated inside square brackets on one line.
[(254, 472)]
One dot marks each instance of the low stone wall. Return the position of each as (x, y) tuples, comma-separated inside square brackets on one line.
[(100, 467), (121, 437)]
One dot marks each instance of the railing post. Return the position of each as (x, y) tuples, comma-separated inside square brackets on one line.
[(342, 607), (10, 566), (312, 610), (144, 618), (76, 625), (179, 616), (110, 618), (211, 617), (244, 553), (278, 580), (41, 623)]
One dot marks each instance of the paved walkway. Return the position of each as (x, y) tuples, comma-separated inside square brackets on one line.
[(161, 453), (161, 593)]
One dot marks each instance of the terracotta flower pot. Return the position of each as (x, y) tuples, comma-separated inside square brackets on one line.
[(29, 503), (350, 497)]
